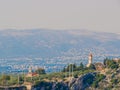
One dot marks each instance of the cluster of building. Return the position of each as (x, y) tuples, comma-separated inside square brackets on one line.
[(31, 73), (99, 66)]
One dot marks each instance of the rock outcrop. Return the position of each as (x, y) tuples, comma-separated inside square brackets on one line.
[(51, 86), (80, 83)]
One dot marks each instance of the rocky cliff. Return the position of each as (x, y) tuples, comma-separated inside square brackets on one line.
[(80, 83)]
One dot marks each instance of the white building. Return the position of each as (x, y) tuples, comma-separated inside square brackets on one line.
[(90, 57)]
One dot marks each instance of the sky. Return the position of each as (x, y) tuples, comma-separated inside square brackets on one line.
[(96, 15)]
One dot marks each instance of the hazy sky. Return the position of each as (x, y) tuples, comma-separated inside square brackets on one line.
[(98, 15)]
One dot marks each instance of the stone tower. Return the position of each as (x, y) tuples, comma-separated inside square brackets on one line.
[(30, 70), (89, 59)]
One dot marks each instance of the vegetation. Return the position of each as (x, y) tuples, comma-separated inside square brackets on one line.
[(40, 71), (80, 68), (98, 78), (110, 79), (92, 67), (110, 76), (111, 64)]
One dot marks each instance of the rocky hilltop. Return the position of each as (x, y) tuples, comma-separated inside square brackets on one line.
[(98, 76)]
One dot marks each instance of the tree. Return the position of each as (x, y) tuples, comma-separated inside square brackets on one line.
[(69, 67), (81, 65), (40, 71), (98, 78), (110, 64), (105, 61), (6, 77), (92, 66)]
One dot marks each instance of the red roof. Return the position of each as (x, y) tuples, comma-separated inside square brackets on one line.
[(34, 74)]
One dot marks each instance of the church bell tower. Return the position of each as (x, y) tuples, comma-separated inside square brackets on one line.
[(90, 57)]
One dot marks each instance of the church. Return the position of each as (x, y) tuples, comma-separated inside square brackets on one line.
[(31, 73), (90, 57)]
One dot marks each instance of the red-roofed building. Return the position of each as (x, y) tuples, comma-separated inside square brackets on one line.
[(31, 74)]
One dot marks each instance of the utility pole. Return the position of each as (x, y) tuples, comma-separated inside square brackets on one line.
[(2, 79), (18, 79), (72, 70), (23, 73), (24, 76), (65, 71), (69, 71), (11, 77)]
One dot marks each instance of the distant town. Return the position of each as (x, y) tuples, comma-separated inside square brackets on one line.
[(34, 76), (55, 64)]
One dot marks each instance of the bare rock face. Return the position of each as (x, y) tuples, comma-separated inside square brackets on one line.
[(51, 86), (83, 82), (80, 83)]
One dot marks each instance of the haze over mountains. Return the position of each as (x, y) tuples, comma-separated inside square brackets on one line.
[(57, 43)]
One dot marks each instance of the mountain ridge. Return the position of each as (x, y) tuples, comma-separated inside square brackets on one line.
[(47, 43)]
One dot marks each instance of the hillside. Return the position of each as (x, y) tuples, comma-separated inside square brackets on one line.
[(85, 78), (57, 43), (82, 78), (54, 49)]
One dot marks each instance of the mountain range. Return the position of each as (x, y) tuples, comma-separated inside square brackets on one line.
[(57, 43)]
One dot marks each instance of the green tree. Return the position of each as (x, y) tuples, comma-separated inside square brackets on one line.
[(110, 64), (98, 78), (40, 71), (92, 66), (69, 67), (6, 77), (81, 66)]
